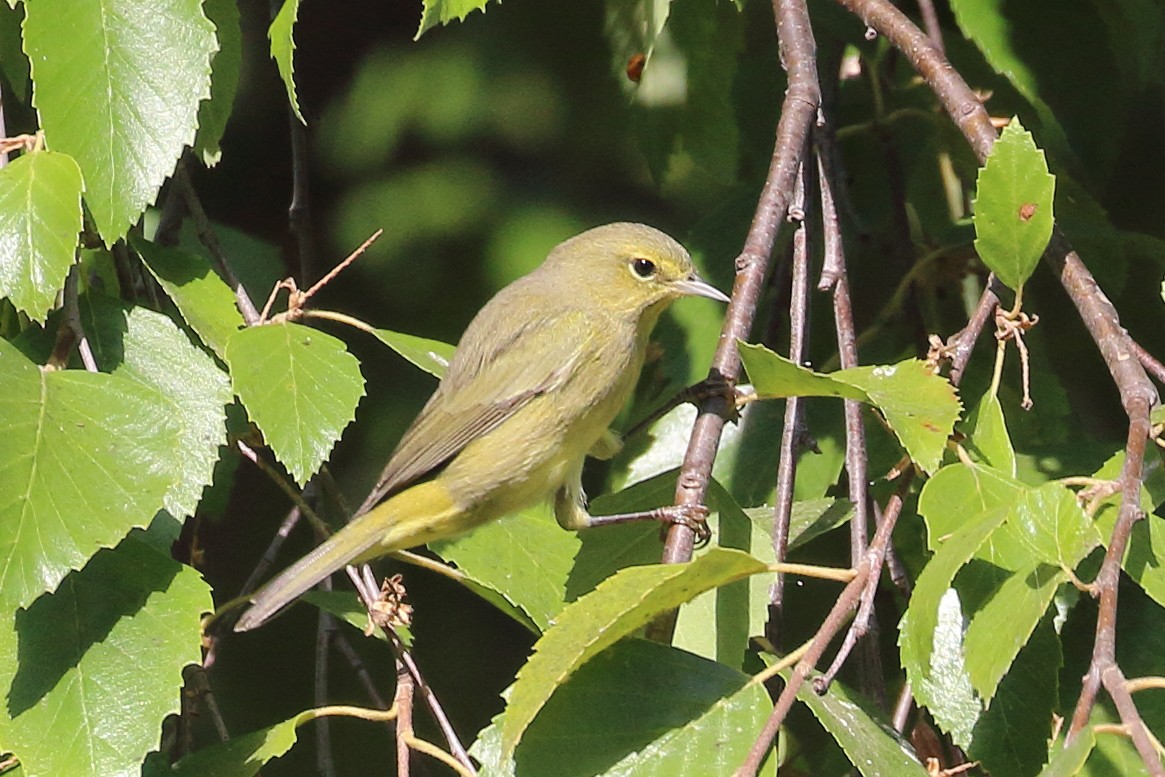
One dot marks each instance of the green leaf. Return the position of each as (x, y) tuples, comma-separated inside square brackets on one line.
[(593, 726), (919, 406), (202, 297), (147, 347), (1053, 526), (442, 12), (96, 458), (1012, 734), (116, 84), (1013, 206), (947, 686), (242, 756), (957, 493), (40, 217), (214, 113), (300, 386), (619, 606), (1067, 761), (281, 33), (432, 356), (113, 638), (871, 746), (526, 557), (987, 439)]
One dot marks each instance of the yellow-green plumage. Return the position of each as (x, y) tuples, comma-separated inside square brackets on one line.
[(537, 378)]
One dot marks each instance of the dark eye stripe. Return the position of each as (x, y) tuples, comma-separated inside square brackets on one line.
[(644, 268)]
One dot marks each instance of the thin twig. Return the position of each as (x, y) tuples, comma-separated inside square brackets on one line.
[(325, 629), (73, 318), (793, 432), (209, 238), (1151, 364), (404, 719)]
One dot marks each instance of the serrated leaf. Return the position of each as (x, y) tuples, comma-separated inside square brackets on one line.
[(987, 439), (116, 84), (1012, 734), (147, 347), (113, 638), (620, 605), (432, 356), (442, 12), (919, 406), (1001, 627), (242, 756), (94, 456), (526, 557), (947, 686), (300, 386), (214, 113), (1013, 206), (871, 746), (1054, 527), (40, 217), (282, 36), (201, 296), (684, 723)]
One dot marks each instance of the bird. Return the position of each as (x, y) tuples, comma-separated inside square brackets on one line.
[(532, 388)]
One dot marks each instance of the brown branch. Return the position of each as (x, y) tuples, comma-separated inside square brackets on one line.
[(1151, 364), (325, 630), (798, 53)]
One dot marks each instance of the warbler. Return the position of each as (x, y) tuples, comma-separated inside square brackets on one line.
[(536, 380)]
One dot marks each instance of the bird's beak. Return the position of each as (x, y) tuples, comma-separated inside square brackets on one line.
[(697, 287)]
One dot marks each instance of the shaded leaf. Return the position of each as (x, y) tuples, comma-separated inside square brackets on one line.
[(113, 637), (1067, 761), (214, 113), (300, 386), (684, 720), (202, 297), (619, 606), (96, 455), (119, 93), (242, 756), (40, 217)]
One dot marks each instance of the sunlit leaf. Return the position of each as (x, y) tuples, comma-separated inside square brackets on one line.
[(282, 36), (435, 12), (116, 84), (432, 356), (300, 386), (40, 216), (243, 756), (947, 686)]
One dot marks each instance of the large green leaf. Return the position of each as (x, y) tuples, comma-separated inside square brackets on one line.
[(202, 297), (147, 347), (40, 216), (89, 671), (1013, 206), (526, 557), (117, 85), (93, 456), (920, 406), (684, 722), (442, 12), (300, 386), (619, 606)]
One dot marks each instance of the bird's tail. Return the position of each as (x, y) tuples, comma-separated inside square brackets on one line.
[(417, 515)]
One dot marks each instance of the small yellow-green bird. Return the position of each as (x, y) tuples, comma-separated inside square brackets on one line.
[(537, 378)]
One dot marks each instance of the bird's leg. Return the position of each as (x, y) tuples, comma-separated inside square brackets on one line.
[(570, 508)]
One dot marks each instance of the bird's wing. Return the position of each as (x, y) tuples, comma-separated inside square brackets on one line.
[(490, 379)]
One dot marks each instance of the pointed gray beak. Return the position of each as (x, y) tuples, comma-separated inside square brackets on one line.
[(696, 287)]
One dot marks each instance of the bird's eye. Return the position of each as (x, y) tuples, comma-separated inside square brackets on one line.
[(644, 268)]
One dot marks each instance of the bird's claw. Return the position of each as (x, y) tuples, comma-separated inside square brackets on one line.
[(694, 517)]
